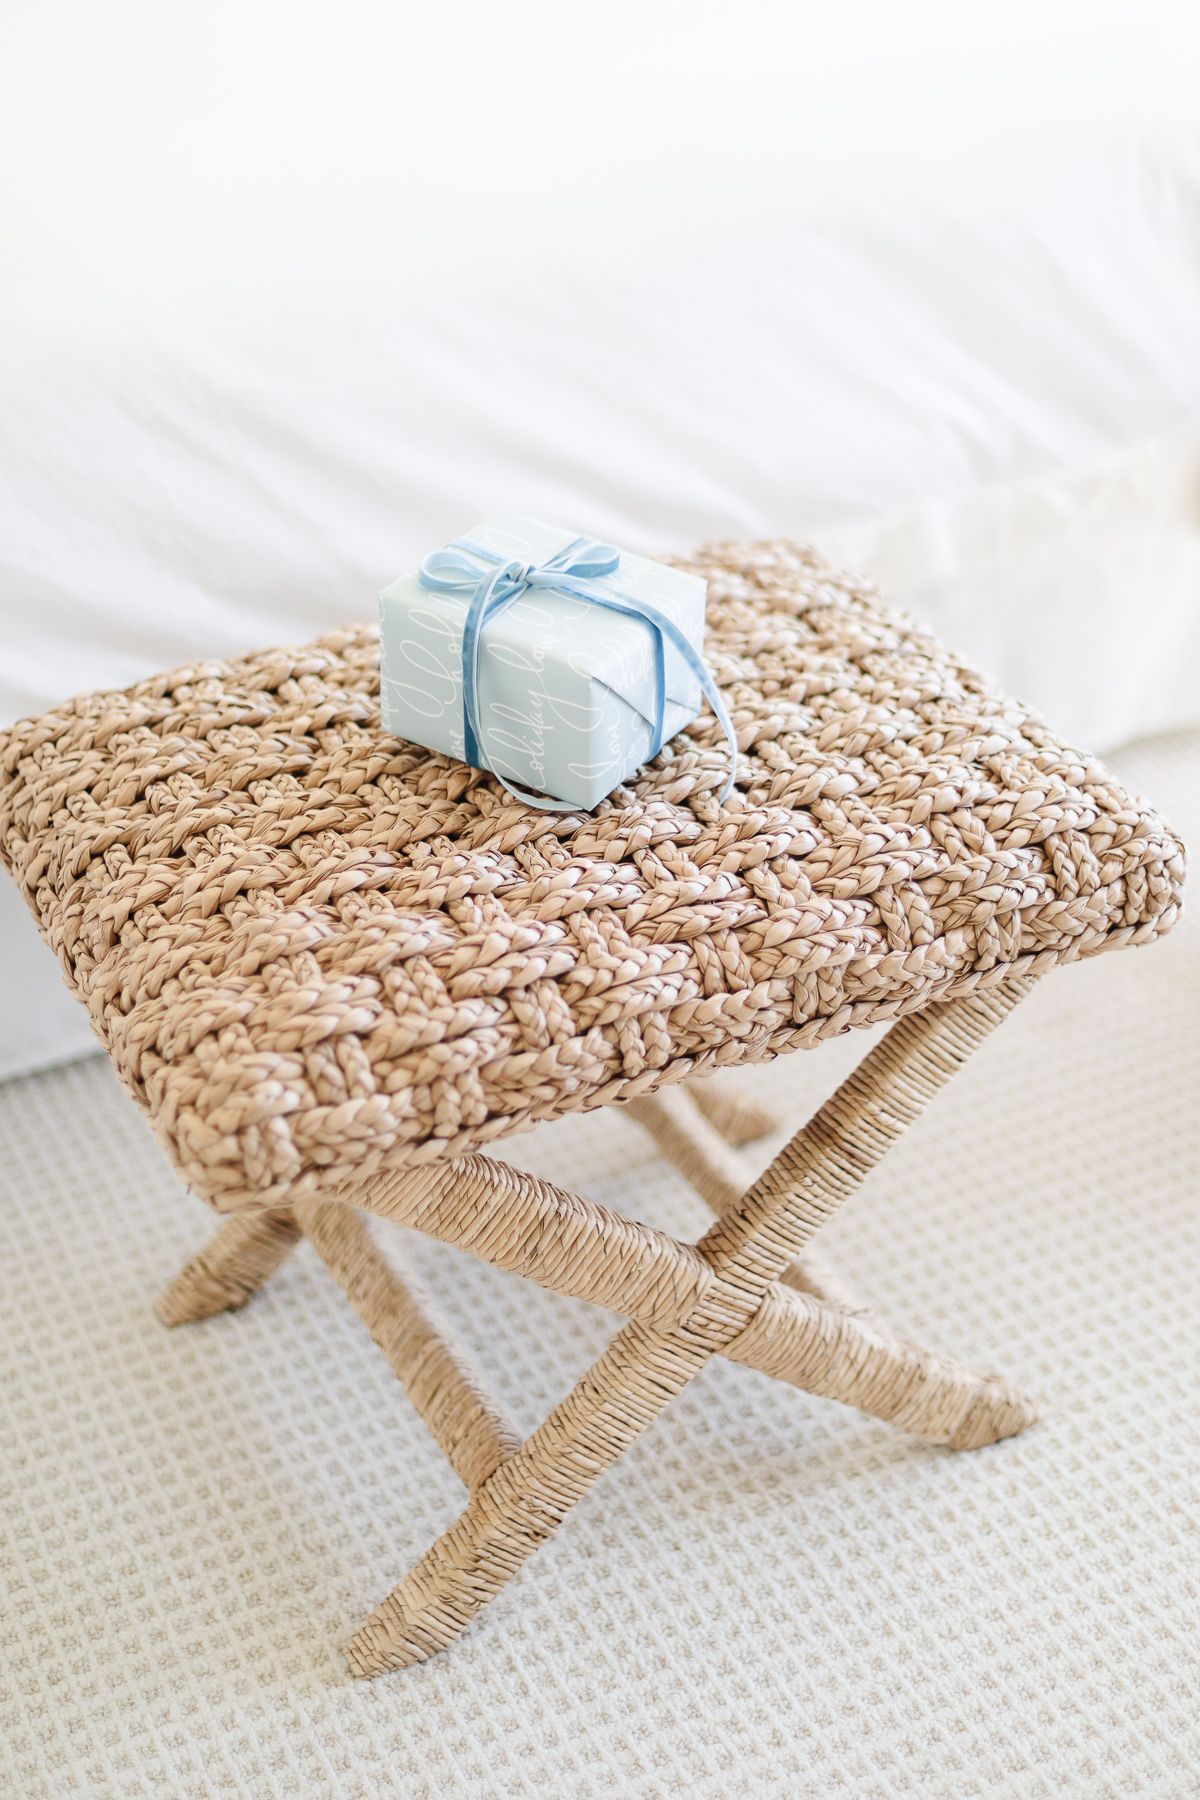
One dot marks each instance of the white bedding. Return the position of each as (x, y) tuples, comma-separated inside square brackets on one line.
[(259, 351)]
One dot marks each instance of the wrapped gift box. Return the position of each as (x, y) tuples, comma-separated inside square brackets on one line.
[(566, 688)]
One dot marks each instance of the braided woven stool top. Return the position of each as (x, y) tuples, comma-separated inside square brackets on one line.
[(315, 951)]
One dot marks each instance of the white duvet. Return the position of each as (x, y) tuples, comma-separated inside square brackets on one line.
[(289, 300)]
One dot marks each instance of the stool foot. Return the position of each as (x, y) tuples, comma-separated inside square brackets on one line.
[(732, 1113), (245, 1253), (865, 1364)]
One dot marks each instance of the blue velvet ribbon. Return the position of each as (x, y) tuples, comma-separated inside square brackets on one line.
[(574, 570)]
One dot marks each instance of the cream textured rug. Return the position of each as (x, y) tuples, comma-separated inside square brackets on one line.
[(772, 1596)]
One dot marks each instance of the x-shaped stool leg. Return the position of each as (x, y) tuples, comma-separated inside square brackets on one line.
[(739, 1292), (681, 1123)]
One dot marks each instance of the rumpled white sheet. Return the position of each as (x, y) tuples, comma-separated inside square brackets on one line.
[(293, 299)]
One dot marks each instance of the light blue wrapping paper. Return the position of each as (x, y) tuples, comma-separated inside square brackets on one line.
[(566, 689)]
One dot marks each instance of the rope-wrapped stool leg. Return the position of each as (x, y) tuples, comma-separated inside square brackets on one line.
[(730, 1111), (633, 1268), (705, 1157), (842, 1357), (440, 1382), (245, 1253), (527, 1498), (733, 1280)]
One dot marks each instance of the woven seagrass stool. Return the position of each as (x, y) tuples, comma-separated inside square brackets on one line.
[(334, 967)]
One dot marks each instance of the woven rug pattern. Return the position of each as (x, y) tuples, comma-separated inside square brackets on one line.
[(314, 950)]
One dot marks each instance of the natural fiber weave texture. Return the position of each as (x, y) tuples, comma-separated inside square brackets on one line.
[(315, 951)]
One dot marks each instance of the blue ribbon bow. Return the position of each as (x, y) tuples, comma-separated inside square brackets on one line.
[(573, 570)]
